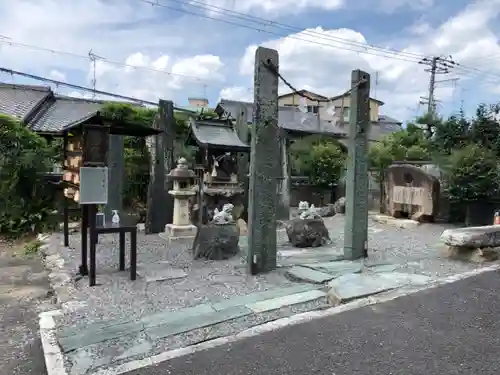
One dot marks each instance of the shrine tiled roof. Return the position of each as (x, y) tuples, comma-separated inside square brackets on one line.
[(217, 134), (42, 110), (63, 112)]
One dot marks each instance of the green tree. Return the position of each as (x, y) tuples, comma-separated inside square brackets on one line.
[(450, 134), (26, 202), (407, 144), (320, 158), (473, 174), (484, 129), (327, 164)]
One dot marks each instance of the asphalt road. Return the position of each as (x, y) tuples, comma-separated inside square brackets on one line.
[(23, 288), (452, 329)]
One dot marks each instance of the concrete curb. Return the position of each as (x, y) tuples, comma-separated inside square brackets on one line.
[(54, 361), (281, 323)]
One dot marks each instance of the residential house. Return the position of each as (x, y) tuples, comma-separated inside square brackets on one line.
[(381, 125), (198, 102), (289, 118)]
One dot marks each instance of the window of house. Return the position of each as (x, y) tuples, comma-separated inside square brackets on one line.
[(313, 108), (346, 113)]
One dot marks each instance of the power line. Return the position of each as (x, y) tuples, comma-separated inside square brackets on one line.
[(462, 69), (83, 88), (366, 49), (11, 43), (269, 23)]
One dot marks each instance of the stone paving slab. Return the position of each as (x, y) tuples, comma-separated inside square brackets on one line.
[(383, 268), (354, 286), (337, 268), (260, 296), (198, 321), (181, 320), (309, 275), (90, 337), (162, 318), (350, 287), (405, 279), (290, 300)]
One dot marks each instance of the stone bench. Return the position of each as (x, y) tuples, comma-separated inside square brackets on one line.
[(473, 237), (474, 244)]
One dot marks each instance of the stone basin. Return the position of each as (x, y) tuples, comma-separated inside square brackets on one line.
[(473, 237)]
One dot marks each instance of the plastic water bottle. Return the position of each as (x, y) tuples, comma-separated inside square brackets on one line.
[(116, 218)]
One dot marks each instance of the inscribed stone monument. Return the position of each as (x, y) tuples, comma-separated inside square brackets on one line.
[(411, 192)]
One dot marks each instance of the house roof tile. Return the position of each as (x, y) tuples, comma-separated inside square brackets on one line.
[(20, 100)]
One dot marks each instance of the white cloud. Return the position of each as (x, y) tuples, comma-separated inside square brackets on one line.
[(237, 93), (123, 31), (218, 7), (392, 5), (326, 70), (150, 84), (57, 75)]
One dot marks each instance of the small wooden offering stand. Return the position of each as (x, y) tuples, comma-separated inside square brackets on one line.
[(85, 181)]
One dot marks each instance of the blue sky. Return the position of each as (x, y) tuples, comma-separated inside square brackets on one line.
[(211, 58)]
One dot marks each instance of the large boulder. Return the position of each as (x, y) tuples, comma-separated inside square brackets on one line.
[(339, 206), (326, 211), (307, 232), (216, 241)]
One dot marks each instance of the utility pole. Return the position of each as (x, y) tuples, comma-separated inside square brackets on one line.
[(356, 213), (437, 65), (93, 58)]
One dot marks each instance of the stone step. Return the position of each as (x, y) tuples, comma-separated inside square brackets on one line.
[(164, 324), (192, 330), (261, 296)]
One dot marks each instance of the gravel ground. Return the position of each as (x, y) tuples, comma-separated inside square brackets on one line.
[(414, 250), (24, 292)]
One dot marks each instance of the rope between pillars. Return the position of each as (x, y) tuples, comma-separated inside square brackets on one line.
[(269, 65)]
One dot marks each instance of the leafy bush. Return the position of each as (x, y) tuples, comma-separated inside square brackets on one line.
[(25, 199), (406, 144), (474, 174), (327, 164), (322, 159)]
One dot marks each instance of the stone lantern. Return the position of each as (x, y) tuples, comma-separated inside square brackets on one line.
[(183, 180)]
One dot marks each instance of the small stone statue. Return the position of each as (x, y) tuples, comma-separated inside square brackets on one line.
[(303, 207), (310, 213), (225, 216)]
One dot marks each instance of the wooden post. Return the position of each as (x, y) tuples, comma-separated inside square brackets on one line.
[(264, 165), (160, 208), (356, 219)]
